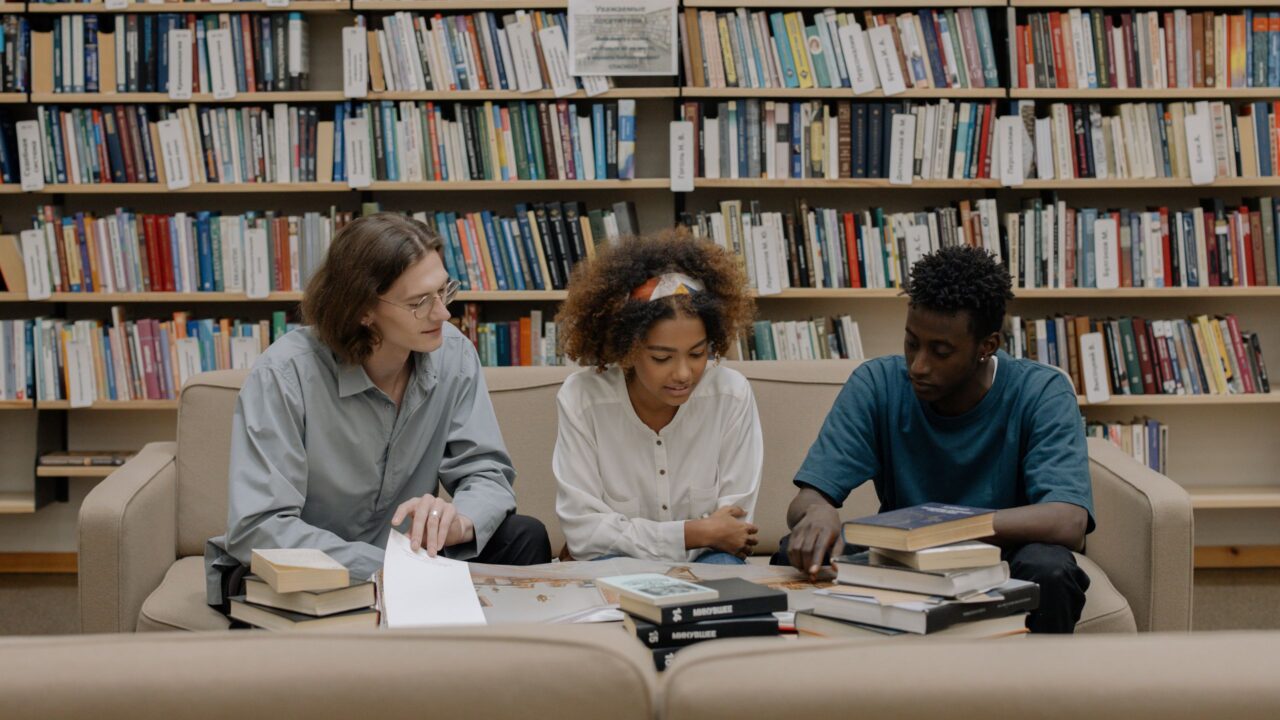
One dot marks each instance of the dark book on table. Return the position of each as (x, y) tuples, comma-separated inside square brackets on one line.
[(738, 597), (922, 614), (920, 526), (659, 636), (663, 657)]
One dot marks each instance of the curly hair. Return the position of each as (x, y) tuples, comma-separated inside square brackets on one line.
[(600, 324), (962, 278)]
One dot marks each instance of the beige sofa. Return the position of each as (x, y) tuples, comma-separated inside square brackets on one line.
[(142, 530), (572, 672)]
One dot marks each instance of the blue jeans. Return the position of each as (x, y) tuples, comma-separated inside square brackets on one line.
[(714, 557)]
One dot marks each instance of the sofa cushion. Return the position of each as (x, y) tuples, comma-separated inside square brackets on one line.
[(205, 410), (554, 671), (180, 603)]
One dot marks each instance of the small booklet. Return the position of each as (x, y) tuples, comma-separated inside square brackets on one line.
[(657, 590)]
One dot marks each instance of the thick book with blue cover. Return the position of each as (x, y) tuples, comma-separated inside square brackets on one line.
[(920, 526), (738, 598)]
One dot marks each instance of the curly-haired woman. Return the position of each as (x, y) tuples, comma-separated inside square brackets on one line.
[(658, 453)]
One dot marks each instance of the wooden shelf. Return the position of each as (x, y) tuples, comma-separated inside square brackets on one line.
[(1265, 93), (1143, 4), (12, 98), (211, 188), (12, 8), (396, 5), (1234, 498), (42, 563), (1242, 556), (310, 6), (202, 98), (485, 185), (75, 471), (1144, 184), (839, 4), (111, 405), (17, 503), (276, 297), (637, 93), (1145, 293), (1150, 400), (842, 183), (846, 93), (16, 405)]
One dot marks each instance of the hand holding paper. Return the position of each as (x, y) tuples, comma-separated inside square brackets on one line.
[(422, 591)]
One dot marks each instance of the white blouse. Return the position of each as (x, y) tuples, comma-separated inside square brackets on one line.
[(624, 489)]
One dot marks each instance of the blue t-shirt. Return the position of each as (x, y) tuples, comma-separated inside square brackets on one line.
[(1023, 444)]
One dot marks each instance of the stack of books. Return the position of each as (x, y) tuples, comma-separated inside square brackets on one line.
[(923, 575), (303, 589), (667, 613)]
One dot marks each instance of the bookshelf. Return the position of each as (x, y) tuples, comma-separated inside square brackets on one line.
[(75, 472), (1214, 427)]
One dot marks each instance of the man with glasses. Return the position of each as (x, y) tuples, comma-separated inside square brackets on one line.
[(351, 425)]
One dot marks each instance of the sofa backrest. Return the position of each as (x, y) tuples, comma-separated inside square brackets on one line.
[(547, 671), (793, 398)]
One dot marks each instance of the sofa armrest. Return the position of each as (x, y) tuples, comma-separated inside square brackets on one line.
[(128, 539), (1144, 539)]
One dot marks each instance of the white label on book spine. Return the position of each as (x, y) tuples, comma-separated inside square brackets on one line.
[(188, 359), (120, 4), (30, 157), (222, 2), (180, 70), (556, 54), (886, 59), (221, 67), (902, 149), (80, 373), (1093, 366), (682, 149), (355, 63), (173, 145), (1107, 253), (524, 54), (355, 138), (857, 57), (258, 279), (918, 244), (35, 259), (1009, 149), (277, 3), (764, 246), (1044, 149), (1200, 147), (244, 352)]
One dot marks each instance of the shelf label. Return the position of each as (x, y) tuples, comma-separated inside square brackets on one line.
[(902, 149), (886, 59), (173, 146), (258, 280), (557, 56), (35, 258), (1200, 146), (857, 58), (30, 156), (355, 63), (682, 147), (355, 146), (1093, 365), (1107, 253), (221, 67), (1009, 149), (180, 68)]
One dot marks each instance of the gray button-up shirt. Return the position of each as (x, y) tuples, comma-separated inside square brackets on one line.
[(320, 457)]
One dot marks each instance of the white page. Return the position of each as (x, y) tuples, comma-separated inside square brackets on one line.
[(1093, 368), (30, 155), (173, 146), (421, 591), (221, 67), (682, 147), (355, 63), (180, 70)]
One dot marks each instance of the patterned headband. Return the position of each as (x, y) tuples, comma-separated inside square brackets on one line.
[(672, 283)]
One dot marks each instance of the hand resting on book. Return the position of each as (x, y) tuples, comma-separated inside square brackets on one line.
[(437, 524)]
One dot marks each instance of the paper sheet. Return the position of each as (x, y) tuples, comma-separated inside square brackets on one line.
[(422, 591)]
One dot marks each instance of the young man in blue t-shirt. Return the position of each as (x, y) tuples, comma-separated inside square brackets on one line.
[(957, 420)]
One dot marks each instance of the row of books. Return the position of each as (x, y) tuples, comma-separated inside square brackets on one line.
[(1153, 140), (15, 49), (87, 360), (206, 144), (841, 139), (1146, 440), (528, 341), (922, 49), (1096, 48), (204, 251), (824, 338), (924, 572), (829, 248), (524, 51), (416, 141), (667, 614), (1200, 355), (534, 250), (1211, 245), (224, 53)]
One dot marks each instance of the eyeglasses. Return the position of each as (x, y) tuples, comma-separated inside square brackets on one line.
[(423, 306)]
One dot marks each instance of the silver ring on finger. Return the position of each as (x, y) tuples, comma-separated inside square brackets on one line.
[(435, 513)]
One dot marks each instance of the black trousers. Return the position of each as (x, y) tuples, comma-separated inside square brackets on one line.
[(519, 540), (1053, 567)]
